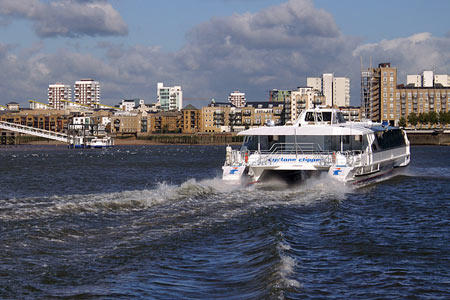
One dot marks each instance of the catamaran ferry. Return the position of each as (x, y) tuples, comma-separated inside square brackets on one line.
[(319, 142)]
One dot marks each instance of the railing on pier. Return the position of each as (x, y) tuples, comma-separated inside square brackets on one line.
[(57, 136)]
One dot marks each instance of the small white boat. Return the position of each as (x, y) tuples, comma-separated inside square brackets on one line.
[(100, 142), (320, 142)]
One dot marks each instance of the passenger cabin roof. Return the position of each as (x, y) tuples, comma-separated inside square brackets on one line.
[(348, 129)]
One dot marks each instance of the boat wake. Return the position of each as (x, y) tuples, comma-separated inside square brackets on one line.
[(192, 195)]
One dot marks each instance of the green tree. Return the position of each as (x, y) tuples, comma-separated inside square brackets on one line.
[(432, 117), (402, 122), (412, 119), (443, 118)]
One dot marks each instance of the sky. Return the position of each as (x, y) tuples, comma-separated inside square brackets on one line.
[(212, 47)]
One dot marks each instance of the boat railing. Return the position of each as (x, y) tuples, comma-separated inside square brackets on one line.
[(267, 157), (322, 158)]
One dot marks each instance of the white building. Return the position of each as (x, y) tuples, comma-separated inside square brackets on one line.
[(170, 97), (415, 80), (442, 79), (57, 92), (327, 88), (304, 98), (237, 99), (341, 91), (427, 79), (87, 92), (335, 89), (128, 104), (314, 82)]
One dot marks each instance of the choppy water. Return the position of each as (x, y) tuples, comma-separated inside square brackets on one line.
[(156, 222)]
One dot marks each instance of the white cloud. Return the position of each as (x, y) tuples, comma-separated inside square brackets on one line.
[(69, 18), (275, 48), (411, 55)]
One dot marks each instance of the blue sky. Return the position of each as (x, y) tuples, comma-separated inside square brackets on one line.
[(212, 47)]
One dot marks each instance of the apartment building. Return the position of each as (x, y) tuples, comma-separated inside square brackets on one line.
[(351, 113), (283, 98), (191, 119), (126, 123), (223, 117), (428, 79), (165, 122), (128, 104), (57, 92), (237, 99), (336, 90), (53, 120), (383, 100), (305, 98), (169, 97), (87, 92)]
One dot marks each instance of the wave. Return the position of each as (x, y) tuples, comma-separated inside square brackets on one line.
[(213, 195)]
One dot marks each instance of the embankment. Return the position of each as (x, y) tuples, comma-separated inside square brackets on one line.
[(429, 137)]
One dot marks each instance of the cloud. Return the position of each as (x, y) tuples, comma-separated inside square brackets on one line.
[(274, 48), (411, 55), (277, 47), (67, 18)]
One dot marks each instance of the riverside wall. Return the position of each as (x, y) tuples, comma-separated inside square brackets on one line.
[(416, 137), (429, 137)]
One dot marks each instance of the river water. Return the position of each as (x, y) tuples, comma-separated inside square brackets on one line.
[(156, 222)]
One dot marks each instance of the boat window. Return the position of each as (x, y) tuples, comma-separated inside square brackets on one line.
[(388, 139), (365, 142), (326, 116), (250, 143), (340, 118), (309, 117), (305, 143)]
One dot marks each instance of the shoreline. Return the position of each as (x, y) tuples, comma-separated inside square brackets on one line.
[(123, 142), (415, 138)]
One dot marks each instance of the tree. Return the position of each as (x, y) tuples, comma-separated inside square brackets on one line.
[(443, 118), (432, 117), (402, 122), (412, 119)]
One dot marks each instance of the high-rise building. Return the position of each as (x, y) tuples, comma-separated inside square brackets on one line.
[(170, 97), (237, 99), (377, 91), (87, 92), (57, 92), (336, 90), (341, 91), (427, 79), (282, 97), (382, 100)]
